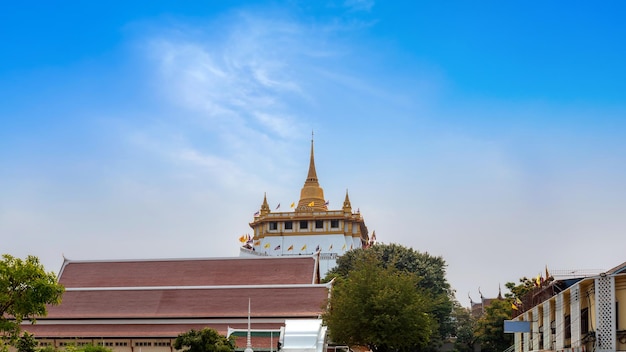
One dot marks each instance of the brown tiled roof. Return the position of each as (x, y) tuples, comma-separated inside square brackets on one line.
[(190, 272), (162, 330), (270, 301), (162, 298)]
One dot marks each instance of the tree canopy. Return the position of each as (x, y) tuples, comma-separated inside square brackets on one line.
[(432, 282), (25, 290), (205, 340), (464, 328), (490, 326), (379, 307)]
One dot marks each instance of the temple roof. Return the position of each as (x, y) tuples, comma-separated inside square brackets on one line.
[(181, 302), (190, 272), (164, 297)]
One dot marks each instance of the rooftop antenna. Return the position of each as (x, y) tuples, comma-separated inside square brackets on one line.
[(248, 342)]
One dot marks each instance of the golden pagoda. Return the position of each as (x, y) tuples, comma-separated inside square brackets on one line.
[(309, 228)]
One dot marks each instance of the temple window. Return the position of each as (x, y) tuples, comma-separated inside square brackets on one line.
[(273, 225), (304, 224), (319, 224), (334, 223), (288, 225)]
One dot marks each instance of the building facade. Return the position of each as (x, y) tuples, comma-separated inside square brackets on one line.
[(308, 228), (576, 314), (143, 305)]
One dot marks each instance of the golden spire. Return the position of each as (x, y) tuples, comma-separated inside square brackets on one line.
[(265, 208), (347, 207), (311, 195)]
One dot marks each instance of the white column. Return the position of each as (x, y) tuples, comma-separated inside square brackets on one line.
[(518, 342), (547, 329), (559, 320), (535, 328), (574, 310), (527, 346), (605, 314)]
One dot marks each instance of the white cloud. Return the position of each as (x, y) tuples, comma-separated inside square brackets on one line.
[(359, 5)]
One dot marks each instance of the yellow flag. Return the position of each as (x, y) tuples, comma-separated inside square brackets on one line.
[(267, 245), (311, 204), (344, 247), (303, 247), (242, 239), (290, 248), (293, 204)]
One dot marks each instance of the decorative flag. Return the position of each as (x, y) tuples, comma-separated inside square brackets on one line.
[(317, 249), (290, 248), (278, 206), (311, 204), (249, 238), (538, 280), (303, 248), (267, 245), (547, 273), (277, 248), (242, 239), (257, 214), (327, 203), (257, 242), (514, 306), (331, 247), (350, 246), (293, 204), (344, 247)]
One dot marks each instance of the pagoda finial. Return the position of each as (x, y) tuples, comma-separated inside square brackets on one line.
[(265, 208), (347, 207), (311, 195), (312, 175)]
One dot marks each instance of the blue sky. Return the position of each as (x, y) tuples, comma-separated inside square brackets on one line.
[(489, 133)]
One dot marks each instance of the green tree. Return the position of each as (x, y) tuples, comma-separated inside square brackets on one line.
[(380, 308), (205, 340), (26, 343), (47, 349), (490, 327), (464, 328), (520, 290), (95, 348), (25, 289), (430, 269)]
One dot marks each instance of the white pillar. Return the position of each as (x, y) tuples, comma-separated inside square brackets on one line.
[(559, 320), (536, 319), (527, 343), (547, 328), (574, 300), (518, 342), (605, 314)]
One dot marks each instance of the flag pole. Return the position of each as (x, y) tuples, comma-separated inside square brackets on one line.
[(248, 342)]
